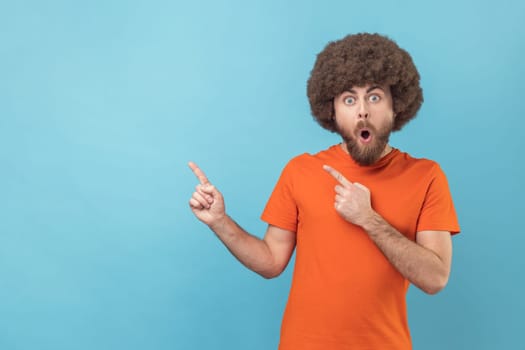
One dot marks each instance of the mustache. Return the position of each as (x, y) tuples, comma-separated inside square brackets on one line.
[(364, 124)]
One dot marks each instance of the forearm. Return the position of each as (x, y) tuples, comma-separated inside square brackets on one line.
[(251, 251), (421, 266)]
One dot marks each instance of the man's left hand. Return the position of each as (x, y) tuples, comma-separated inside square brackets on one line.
[(352, 199)]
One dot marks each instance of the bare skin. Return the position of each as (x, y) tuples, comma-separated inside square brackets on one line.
[(268, 256), (425, 262)]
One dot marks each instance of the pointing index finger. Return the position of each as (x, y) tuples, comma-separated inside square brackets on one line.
[(337, 175), (199, 173)]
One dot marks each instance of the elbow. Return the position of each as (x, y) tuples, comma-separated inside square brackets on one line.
[(436, 285), (269, 274), (272, 270)]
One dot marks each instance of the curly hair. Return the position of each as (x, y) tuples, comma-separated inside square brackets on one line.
[(358, 60)]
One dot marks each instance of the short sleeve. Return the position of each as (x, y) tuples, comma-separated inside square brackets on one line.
[(281, 209), (438, 213)]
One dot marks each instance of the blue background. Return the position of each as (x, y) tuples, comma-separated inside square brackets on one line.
[(102, 104)]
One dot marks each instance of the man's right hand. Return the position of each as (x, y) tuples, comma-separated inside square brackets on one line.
[(206, 202), (267, 257)]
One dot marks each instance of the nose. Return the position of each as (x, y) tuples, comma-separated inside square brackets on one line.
[(362, 113)]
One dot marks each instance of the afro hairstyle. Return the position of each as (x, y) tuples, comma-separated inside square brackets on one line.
[(359, 60)]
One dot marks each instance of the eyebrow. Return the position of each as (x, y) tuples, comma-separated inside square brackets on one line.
[(369, 89)]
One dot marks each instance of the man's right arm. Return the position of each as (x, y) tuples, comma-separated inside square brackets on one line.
[(268, 256)]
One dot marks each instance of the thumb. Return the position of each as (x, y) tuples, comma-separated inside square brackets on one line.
[(209, 189), (363, 187)]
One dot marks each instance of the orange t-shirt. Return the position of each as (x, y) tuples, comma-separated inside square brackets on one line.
[(345, 294)]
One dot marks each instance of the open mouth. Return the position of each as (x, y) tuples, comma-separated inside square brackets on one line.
[(365, 135)]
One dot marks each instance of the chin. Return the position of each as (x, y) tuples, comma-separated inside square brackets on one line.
[(364, 155)]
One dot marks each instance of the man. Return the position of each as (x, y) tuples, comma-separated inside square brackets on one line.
[(366, 219)]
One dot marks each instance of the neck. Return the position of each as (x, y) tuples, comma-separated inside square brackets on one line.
[(387, 150)]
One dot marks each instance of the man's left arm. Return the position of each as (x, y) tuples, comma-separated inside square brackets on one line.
[(425, 262)]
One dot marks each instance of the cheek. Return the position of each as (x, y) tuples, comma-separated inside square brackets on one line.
[(386, 115), (345, 117), (345, 131), (343, 125)]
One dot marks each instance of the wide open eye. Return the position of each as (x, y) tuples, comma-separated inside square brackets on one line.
[(349, 100), (374, 98)]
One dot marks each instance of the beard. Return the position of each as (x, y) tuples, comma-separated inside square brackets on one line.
[(366, 154)]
